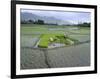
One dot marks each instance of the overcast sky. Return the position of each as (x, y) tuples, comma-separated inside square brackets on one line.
[(74, 17)]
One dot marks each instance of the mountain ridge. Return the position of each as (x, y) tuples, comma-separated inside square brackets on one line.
[(25, 16)]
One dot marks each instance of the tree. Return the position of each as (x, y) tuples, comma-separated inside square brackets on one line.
[(40, 21), (23, 22), (30, 21), (85, 24)]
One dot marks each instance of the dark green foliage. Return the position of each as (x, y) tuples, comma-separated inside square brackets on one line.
[(84, 24), (23, 22), (30, 21), (40, 22)]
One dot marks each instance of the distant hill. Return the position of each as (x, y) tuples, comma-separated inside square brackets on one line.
[(50, 20)]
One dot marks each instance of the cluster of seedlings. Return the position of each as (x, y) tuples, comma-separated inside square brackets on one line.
[(55, 40)]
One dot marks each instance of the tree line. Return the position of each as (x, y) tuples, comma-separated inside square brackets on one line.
[(39, 21), (32, 22), (85, 24)]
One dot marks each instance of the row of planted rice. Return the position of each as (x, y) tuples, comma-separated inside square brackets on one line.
[(71, 56), (32, 59)]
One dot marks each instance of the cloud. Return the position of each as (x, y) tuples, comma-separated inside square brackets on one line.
[(74, 17)]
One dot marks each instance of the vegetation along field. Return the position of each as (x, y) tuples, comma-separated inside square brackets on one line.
[(54, 46)]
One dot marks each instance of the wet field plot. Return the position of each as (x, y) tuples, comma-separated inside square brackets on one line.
[(74, 49)]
